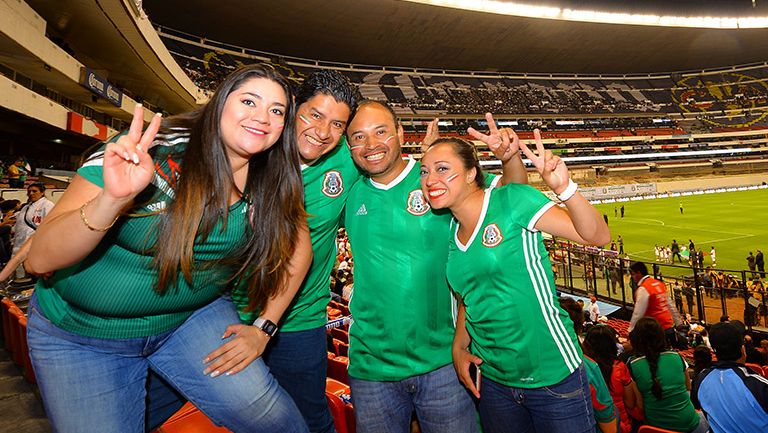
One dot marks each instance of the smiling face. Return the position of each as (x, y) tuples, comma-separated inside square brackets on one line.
[(320, 123), (252, 118), (445, 181), (374, 139)]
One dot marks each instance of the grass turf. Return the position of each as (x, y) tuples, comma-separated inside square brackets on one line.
[(733, 222)]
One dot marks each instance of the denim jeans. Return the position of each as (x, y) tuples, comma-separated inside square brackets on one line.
[(562, 408), (441, 402), (95, 384), (299, 360)]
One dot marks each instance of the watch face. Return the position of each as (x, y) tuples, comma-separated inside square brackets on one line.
[(269, 327)]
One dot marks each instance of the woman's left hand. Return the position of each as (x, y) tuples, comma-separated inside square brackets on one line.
[(233, 356), (551, 168)]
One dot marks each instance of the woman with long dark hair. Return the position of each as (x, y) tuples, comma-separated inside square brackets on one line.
[(508, 320), (662, 380), (142, 248), (600, 344)]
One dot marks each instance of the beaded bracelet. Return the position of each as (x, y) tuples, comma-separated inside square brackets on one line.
[(87, 224)]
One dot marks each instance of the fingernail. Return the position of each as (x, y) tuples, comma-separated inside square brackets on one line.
[(158, 114), (126, 156), (215, 373), (135, 158), (206, 371), (139, 105), (223, 336), (229, 373), (206, 360)]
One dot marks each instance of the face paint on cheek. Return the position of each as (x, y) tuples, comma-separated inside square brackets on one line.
[(354, 147), (304, 119), (388, 139), (451, 177)]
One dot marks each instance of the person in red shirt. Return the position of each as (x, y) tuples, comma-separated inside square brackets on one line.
[(652, 300)]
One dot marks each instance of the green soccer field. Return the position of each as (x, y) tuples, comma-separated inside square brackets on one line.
[(733, 222)]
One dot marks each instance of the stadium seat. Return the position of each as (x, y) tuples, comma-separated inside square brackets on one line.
[(29, 373), (14, 315), (349, 411), (6, 305), (337, 368), (651, 429), (336, 405), (342, 348), (340, 335), (189, 419), (755, 368), (336, 387)]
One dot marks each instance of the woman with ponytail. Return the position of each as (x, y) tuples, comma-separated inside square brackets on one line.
[(600, 344), (661, 378)]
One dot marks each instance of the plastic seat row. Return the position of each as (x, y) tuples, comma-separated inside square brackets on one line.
[(15, 337)]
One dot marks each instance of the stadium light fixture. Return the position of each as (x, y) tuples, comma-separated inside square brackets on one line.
[(529, 11)]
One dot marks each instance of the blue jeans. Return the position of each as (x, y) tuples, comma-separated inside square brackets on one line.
[(441, 402), (299, 361), (95, 384), (562, 408)]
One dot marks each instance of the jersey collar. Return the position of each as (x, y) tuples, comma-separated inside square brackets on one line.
[(398, 179), (463, 248)]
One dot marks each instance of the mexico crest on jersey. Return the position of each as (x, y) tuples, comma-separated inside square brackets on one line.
[(416, 203), (492, 235), (333, 186)]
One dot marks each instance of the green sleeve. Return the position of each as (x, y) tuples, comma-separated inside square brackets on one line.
[(524, 203)]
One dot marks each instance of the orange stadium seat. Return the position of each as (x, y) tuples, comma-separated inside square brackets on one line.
[(651, 429), (340, 334), (6, 306), (336, 405), (15, 314), (755, 368), (335, 387), (342, 348), (349, 411), (29, 373), (337, 368), (189, 419)]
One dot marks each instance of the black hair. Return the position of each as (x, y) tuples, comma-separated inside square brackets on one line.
[(702, 358), (639, 267), (600, 345), (330, 83), (648, 340), (726, 339), (37, 185), (467, 154)]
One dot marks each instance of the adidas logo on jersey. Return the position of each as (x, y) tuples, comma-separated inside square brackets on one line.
[(362, 210)]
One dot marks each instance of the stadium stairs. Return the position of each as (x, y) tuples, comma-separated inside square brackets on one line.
[(20, 402)]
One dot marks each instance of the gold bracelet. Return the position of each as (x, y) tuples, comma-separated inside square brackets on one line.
[(87, 224)]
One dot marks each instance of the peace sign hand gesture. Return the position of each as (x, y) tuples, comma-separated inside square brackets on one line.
[(128, 168), (504, 143), (552, 169), (432, 135)]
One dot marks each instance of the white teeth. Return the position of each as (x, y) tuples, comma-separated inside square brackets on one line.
[(312, 141), (254, 131), (375, 156), (437, 192)]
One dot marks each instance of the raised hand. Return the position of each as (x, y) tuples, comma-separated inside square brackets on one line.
[(236, 354), (432, 135), (551, 168), (504, 143), (128, 168)]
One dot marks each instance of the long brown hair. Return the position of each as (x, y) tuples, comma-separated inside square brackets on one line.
[(273, 191)]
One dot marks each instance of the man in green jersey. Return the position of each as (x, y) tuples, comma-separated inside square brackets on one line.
[(297, 355), (402, 329)]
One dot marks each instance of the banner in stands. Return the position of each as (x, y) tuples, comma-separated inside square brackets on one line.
[(81, 125), (616, 191), (100, 86)]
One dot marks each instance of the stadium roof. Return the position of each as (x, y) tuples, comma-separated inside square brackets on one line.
[(413, 34)]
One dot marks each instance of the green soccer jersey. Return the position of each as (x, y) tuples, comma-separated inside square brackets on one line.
[(401, 306), (504, 276), (110, 293), (327, 183)]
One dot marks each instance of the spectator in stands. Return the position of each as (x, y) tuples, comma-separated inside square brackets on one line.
[(324, 103), (601, 345), (28, 219), (492, 224), (702, 359), (400, 273), (662, 380), (734, 399), (652, 300), (17, 173), (603, 407), (594, 309), (141, 296)]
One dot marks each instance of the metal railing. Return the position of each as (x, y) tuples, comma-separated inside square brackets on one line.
[(704, 292)]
